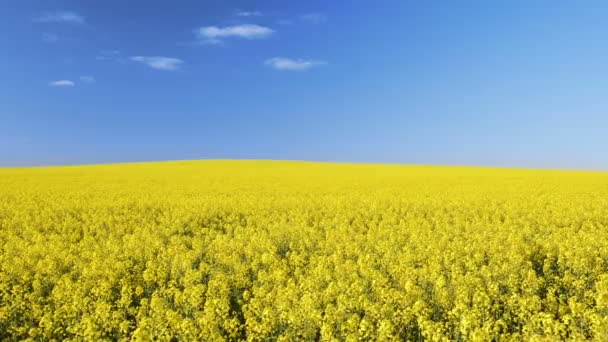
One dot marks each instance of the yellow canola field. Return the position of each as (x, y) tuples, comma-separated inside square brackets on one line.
[(265, 251)]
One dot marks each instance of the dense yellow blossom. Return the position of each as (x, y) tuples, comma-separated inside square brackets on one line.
[(260, 250)]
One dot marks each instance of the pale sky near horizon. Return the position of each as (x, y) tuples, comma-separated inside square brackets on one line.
[(498, 83)]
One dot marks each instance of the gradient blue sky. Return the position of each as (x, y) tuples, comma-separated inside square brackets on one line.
[(505, 83)]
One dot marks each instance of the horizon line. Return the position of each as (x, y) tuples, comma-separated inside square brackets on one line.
[(118, 163)]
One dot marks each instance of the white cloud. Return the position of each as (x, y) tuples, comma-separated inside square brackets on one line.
[(249, 14), (87, 79), (60, 17), (159, 63), (49, 38), (287, 64), (314, 18), (213, 34), (62, 83)]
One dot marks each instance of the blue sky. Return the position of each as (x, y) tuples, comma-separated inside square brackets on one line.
[(504, 83)]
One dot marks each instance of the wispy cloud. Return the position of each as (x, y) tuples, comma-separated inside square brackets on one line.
[(248, 13), (105, 55), (288, 64), (159, 62), (87, 79), (62, 83), (314, 18), (60, 17), (214, 34), (50, 38), (112, 56)]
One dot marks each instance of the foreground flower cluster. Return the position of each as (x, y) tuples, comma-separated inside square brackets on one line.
[(259, 250)]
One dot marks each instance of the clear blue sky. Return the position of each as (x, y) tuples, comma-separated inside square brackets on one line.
[(506, 83)]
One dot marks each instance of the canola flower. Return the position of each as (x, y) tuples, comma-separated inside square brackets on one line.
[(296, 251)]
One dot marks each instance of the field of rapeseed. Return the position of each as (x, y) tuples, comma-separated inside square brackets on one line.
[(260, 250)]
